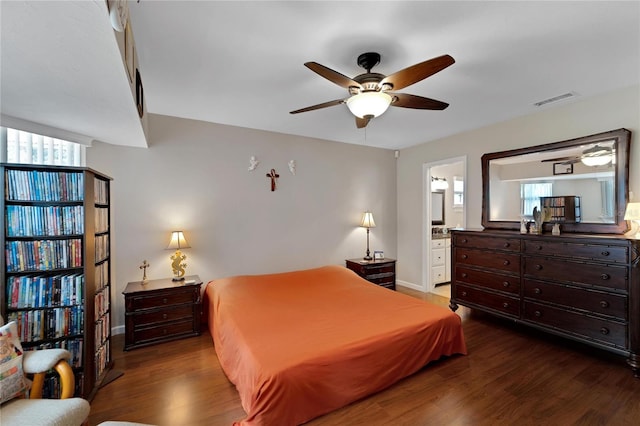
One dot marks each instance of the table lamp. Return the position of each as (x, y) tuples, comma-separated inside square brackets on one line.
[(178, 242), (367, 222), (633, 214)]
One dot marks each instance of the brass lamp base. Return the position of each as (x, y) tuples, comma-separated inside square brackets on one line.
[(178, 265)]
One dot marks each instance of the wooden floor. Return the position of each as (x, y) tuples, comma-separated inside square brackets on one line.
[(511, 376)]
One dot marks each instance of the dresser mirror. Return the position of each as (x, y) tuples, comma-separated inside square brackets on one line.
[(592, 170)]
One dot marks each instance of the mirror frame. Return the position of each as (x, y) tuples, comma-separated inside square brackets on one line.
[(622, 139)]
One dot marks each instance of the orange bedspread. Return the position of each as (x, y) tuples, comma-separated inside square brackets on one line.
[(300, 344)]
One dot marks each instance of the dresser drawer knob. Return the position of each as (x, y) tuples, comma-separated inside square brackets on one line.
[(464, 275), (164, 331), (505, 305), (604, 304), (605, 276), (537, 314), (464, 294), (539, 247), (539, 267), (604, 330), (164, 300), (464, 256), (537, 290), (464, 240), (506, 262), (505, 245), (164, 316), (605, 253), (505, 284)]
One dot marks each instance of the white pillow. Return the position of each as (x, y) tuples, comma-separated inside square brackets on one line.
[(12, 380)]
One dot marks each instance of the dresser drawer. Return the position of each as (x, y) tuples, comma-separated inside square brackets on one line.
[(487, 243), (507, 283), (601, 302), (592, 274), (165, 331), (601, 330), (162, 298), (495, 260), (604, 253), (496, 302), (157, 316)]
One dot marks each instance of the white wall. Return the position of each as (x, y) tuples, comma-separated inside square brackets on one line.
[(619, 109), (194, 177)]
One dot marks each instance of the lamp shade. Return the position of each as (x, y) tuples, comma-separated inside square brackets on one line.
[(367, 220), (633, 211), (177, 241), (369, 103)]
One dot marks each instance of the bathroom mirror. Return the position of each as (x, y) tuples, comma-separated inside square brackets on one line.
[(437, 207), (593, 170)]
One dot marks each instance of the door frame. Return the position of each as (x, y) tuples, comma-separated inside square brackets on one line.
[(427, 284)]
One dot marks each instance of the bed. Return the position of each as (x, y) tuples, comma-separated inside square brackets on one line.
[(301, 344)]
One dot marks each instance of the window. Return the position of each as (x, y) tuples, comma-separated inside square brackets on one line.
[(530, 194), (608, 196), (30, 148), (458, 191)]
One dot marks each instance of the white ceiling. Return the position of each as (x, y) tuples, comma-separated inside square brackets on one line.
[(241, 63)]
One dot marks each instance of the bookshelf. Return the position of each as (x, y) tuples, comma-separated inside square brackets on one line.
[(56, 265), (564, 209)]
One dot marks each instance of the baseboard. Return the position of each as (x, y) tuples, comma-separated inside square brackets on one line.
[(117, 330), (409, 285)]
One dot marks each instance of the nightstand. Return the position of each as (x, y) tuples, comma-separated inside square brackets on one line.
[(381, 272), (161, 310)]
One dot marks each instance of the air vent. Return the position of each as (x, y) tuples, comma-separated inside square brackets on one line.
[(556, 99)]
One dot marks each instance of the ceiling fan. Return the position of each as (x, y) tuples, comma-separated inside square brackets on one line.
[(595, 156), (372, 93)]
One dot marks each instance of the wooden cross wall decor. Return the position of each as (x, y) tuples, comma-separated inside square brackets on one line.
[(273, 175)]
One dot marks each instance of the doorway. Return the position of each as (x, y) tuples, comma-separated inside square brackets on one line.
[(444, 189)]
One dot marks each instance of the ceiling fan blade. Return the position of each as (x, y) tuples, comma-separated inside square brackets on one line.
[(405, 100), (362, 122), (561, 159), (322, 105), (417, 72), (331, 75)]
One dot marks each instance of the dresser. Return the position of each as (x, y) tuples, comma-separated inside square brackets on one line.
[(161, 310), (583, 287), (380, 271)]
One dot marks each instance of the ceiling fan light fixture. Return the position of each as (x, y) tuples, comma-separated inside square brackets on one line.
[(369, 104), (597, 156), (596, 161)]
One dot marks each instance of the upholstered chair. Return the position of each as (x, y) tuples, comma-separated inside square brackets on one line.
[(16, 410)]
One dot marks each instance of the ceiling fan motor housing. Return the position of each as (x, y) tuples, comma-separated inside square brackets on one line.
[(369, 60)]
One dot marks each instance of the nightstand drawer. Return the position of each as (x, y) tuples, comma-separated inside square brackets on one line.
[(163, 315), (184, 295), (166, 331)]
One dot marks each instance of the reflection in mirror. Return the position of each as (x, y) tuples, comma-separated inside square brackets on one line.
[(583, 181)]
